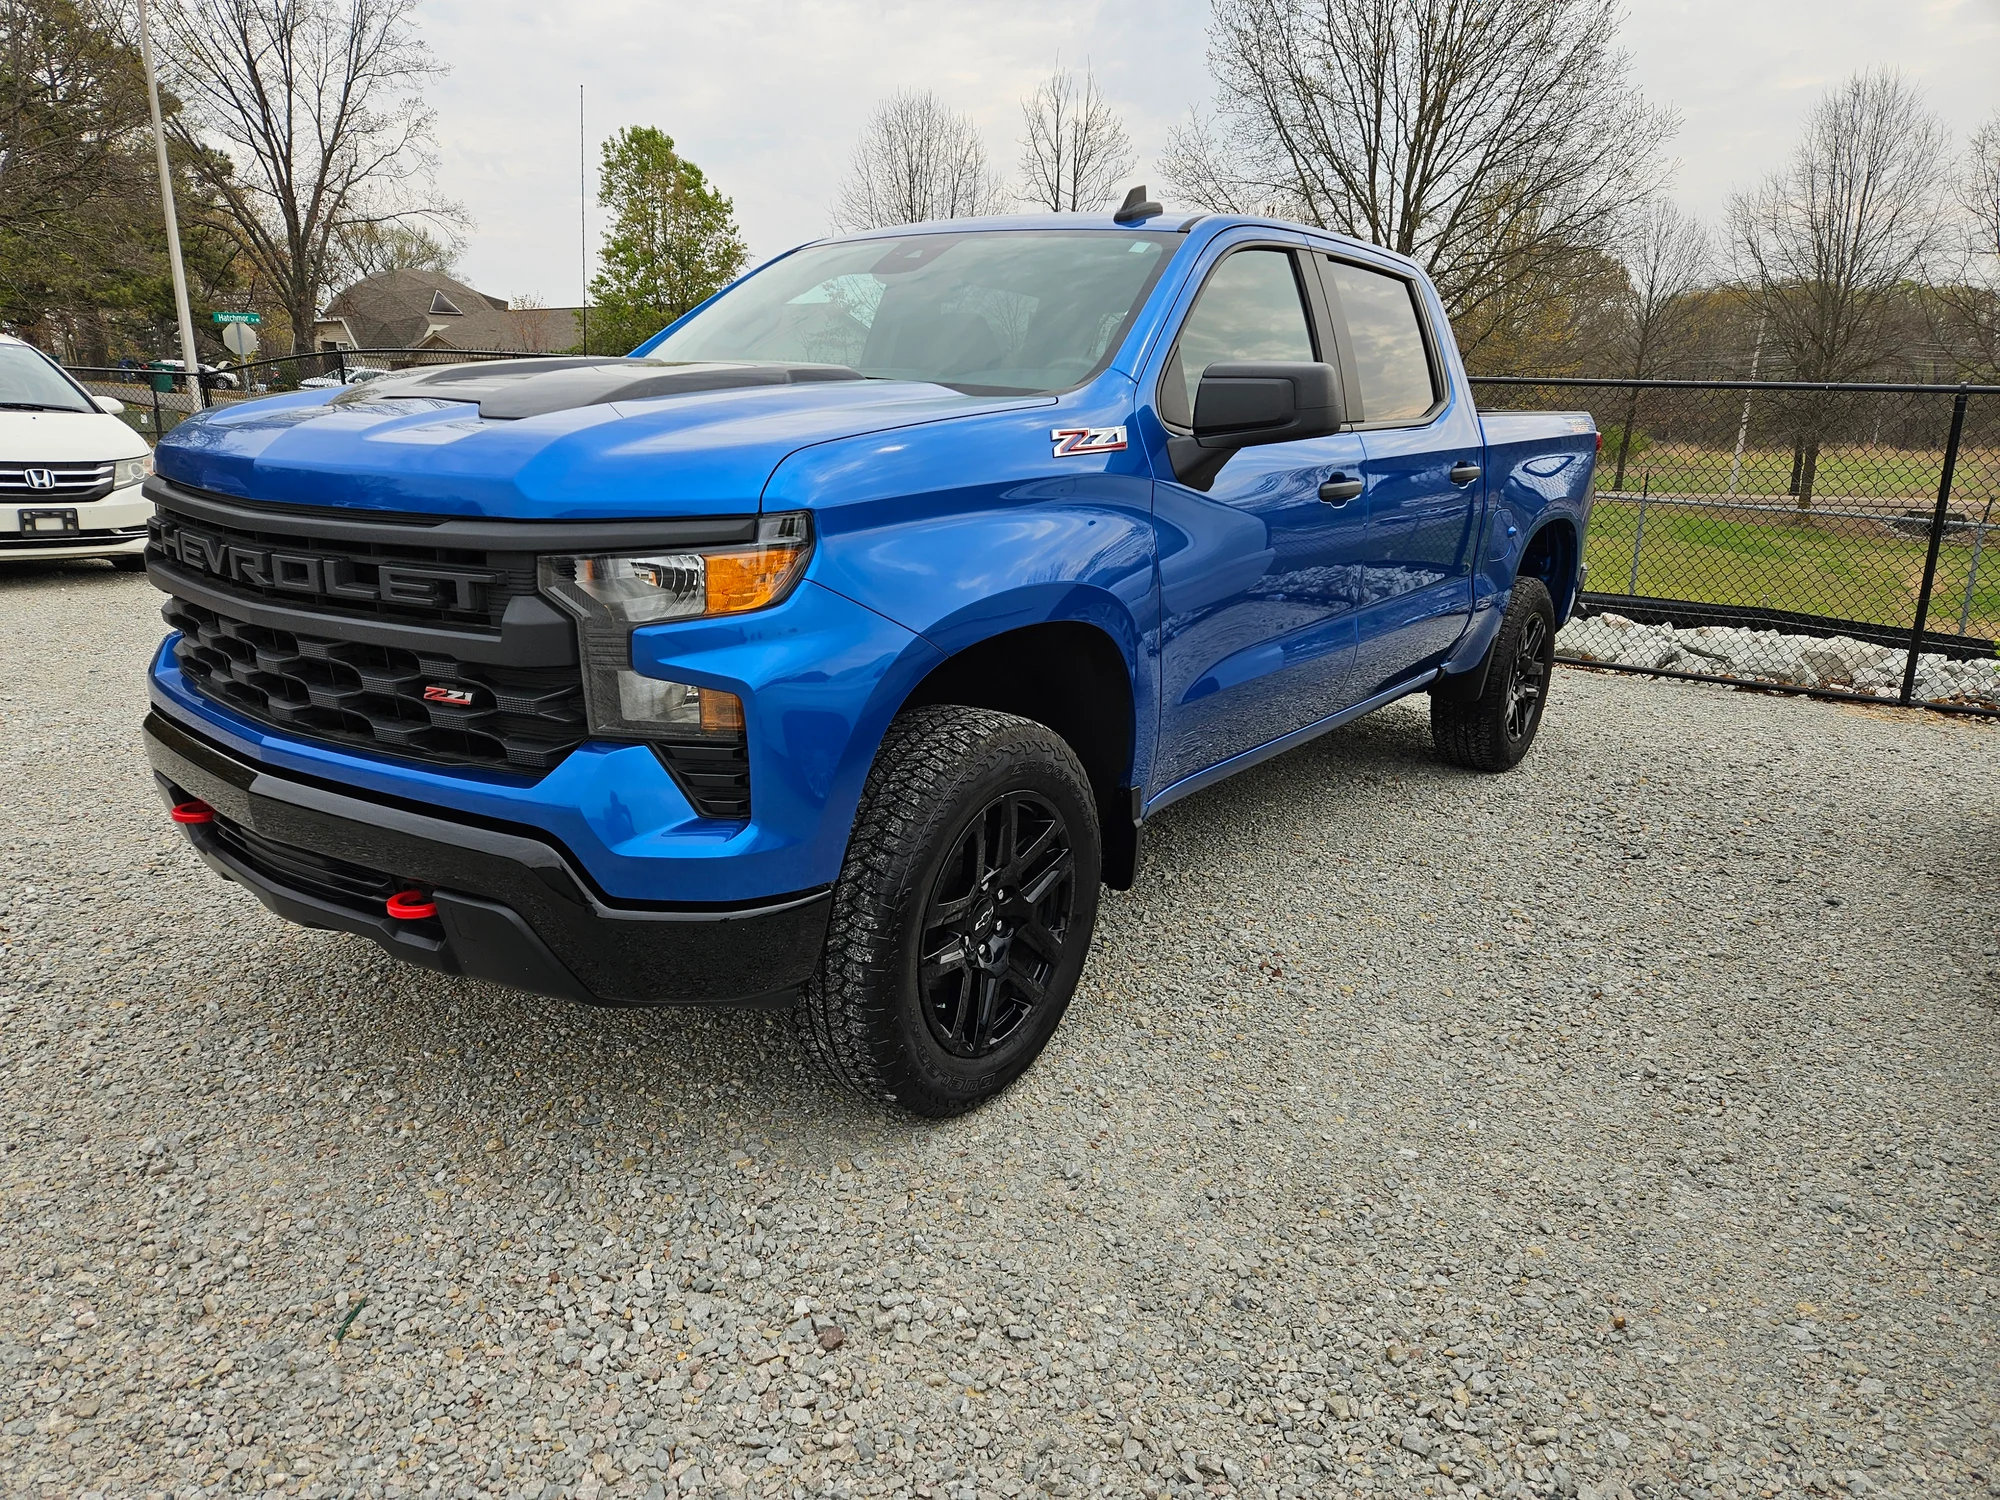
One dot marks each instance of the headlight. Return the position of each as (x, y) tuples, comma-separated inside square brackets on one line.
[(612, 595), (131, 471)]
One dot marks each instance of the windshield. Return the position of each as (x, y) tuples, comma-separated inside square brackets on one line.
[(1028, 311), (28, 380)]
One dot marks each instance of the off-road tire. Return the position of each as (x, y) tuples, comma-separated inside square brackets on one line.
[(1493, 731), (863, 1017)]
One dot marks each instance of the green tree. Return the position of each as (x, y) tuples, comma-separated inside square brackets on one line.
[(672, 240), (83, 263)]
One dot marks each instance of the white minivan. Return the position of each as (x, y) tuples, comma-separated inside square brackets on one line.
[(69, 468)]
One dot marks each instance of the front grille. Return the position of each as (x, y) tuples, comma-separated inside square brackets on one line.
[(315, 874), (460, 587), (68, 481), (352, 693), (454, 689)]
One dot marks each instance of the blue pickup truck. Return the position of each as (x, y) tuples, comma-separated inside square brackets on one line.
[(833, 648)]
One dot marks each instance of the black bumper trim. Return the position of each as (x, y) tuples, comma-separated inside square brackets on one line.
[(511, 908)]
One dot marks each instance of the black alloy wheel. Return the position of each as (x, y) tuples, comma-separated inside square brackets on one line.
[(1530, 678), (963, 913), (1494, 730), (997, 923)]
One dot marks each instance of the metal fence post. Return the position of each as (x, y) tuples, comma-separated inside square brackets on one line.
[(1937, 539), (156, 409), (1972, 573), (1639, 537)]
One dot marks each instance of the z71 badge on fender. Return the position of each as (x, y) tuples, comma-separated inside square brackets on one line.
[(1070, 441)]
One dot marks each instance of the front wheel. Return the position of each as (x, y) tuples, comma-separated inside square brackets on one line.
[(963, 913), (1493, 731)]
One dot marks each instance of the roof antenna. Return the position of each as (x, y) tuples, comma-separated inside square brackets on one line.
[(1136, 207)]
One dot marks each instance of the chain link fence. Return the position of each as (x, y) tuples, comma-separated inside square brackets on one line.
[(1832, 540), (159, 396)]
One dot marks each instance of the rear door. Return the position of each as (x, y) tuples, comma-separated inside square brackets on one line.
[(1259, 575), (1422, 466)]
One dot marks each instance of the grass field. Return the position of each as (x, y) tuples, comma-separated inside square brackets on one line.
[(1845, 473), (1850, 570)]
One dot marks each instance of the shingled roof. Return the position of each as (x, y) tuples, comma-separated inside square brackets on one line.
[(426, 310)]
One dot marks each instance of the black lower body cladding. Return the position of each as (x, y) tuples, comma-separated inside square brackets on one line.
[(511, 906)]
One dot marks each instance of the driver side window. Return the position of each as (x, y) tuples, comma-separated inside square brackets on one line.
[(1250, 309)]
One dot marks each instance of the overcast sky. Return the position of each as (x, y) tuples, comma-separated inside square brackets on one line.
[(767, 97)]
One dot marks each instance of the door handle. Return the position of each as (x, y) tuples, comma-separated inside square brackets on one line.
[(1340, 489), (1464, 472)]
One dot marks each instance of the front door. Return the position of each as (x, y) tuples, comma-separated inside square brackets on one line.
[(1259, 575)]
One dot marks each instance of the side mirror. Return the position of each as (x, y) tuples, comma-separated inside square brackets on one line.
[(111, 406), (1246, 404)]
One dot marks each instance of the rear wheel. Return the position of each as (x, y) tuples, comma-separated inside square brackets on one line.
[(963, 914), (1493, 731)]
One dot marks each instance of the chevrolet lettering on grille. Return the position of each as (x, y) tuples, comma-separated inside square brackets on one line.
[(310, 573)]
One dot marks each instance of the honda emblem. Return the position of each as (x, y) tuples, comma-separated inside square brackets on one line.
[(40, 479)]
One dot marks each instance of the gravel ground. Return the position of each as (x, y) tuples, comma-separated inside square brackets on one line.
[(1624, 1125)]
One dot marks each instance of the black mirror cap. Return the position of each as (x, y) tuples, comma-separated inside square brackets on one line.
[(1244, 404)]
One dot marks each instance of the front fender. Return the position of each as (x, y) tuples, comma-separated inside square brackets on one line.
[(902, 529), (820, 677)]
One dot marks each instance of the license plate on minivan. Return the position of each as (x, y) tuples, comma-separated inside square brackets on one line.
[(49, 520)]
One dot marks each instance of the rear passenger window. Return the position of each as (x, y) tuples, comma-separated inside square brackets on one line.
[(1249, 310), (1388, 343)]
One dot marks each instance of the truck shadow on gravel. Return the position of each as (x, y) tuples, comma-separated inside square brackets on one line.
[(491, 1055)]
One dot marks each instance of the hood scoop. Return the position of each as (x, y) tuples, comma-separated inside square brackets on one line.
[(509, 389)]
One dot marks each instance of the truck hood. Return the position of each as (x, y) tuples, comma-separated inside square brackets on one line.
[(695, 453)]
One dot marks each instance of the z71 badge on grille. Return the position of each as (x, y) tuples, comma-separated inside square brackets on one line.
[(1072, 441), (456, 697)]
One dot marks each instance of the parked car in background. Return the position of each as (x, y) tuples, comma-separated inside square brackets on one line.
[(213, 377), (69, 468), (355, 375), (833, 650)]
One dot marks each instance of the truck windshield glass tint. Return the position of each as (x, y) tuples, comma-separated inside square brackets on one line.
[(26, 379), (999, 311), (1388, 344), (1249, 309)]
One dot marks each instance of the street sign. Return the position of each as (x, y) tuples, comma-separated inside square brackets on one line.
[(241, 339), (237, 317)]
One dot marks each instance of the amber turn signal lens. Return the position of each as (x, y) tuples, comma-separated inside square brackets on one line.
[(750, 580), (721, 713)]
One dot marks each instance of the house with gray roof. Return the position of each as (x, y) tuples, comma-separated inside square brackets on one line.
[(427, 310)]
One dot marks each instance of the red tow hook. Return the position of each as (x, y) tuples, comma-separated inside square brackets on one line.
[(411, 906), (192, 812)]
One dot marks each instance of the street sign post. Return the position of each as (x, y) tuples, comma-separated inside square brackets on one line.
[(237, 317)]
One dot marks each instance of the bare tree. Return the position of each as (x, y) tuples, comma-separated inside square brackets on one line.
[(1966, 300), (916, 160), (1075, 152), (1493, 141), (1667, 258), (317, 111), (1832, 239)]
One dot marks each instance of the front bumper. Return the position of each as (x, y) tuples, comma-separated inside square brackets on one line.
[(110, 527), (513, 907)]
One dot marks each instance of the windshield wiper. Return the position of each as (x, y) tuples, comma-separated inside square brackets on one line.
[(35, 406)]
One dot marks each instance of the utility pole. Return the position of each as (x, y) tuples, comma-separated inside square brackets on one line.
[(189, 363), (583, 216)]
